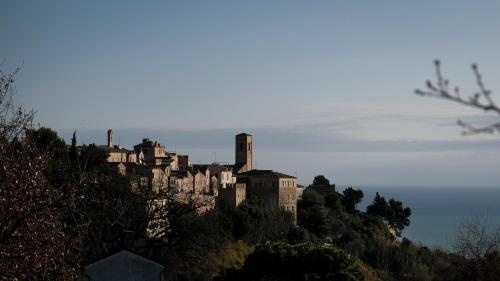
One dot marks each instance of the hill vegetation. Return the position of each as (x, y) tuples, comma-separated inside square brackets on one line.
[(62, 209)]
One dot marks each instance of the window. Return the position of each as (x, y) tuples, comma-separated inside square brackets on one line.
[(241, 146), (249, 146)]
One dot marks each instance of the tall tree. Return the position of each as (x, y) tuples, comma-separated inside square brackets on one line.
[(279, 261), (379, 206), (398, 217), (321, 180), (351, 198), (32, 245), (312, 213)]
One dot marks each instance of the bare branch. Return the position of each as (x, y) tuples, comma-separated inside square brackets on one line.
[(480, 100)]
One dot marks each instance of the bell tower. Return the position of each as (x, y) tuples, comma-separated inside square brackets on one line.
[(244, 151), (110, 138)]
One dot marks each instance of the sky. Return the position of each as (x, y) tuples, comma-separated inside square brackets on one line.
[(325, 87)]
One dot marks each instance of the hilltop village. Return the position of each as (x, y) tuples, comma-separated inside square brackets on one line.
[(160, 169)]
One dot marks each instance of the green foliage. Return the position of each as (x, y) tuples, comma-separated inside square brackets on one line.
[(253, 221), (73, 153), (190, 244), (56, 170), (280, 261), (351, 198), (312, 213), (333, 202), (321, 180), (379, 206), (231, 256), (102, 215), (398, 216)]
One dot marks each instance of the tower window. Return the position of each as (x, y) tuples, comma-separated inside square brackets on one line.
[(249, 146), (241, 146)]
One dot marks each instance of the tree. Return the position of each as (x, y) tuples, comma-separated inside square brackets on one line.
[(398, 217), (253, 221), (32, 245), (181, 233), (73, 153), (351, 198), (321, 180), (280, 261), (478, 243), (379, 207), (47, 140), (312, 213), (480, 100)]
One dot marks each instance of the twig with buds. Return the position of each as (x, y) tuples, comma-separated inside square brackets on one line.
[(480, 100)]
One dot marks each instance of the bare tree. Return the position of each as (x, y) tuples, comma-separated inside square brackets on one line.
[(476, 239), (32, 247), (478, 246), (480, 100), (14, 120)]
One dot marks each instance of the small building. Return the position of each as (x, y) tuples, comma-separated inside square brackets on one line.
[(181, 181), (278, 190), (183, 162), (223, 174), (204, 169), (200, 182), (233, 195), (123, 266), (152, 151), (118, 154)]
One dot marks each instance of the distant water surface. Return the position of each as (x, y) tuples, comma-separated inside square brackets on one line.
[(438, 212)]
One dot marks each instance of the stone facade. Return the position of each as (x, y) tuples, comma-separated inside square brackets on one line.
[(279, 191), (163, 170), (182, 181), (243, 153), (223, 174), (233, 195), (184, 162), (153, 151)]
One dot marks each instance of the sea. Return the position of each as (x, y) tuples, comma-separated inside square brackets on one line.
[(438, 212)]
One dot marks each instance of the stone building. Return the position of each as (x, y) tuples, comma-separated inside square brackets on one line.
[(223, 174), (204, 170), (184, 162), (154, 152), (160, 169), (200, 182), (118, 154), (233, 195), (182, 181), (276, 189)]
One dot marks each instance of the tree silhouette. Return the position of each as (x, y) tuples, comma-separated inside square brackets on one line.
[(321, 180)]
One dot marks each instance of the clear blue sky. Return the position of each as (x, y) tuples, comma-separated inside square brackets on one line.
[(324, 86)]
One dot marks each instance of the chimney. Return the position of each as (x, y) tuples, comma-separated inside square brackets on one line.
[(110, 138)]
